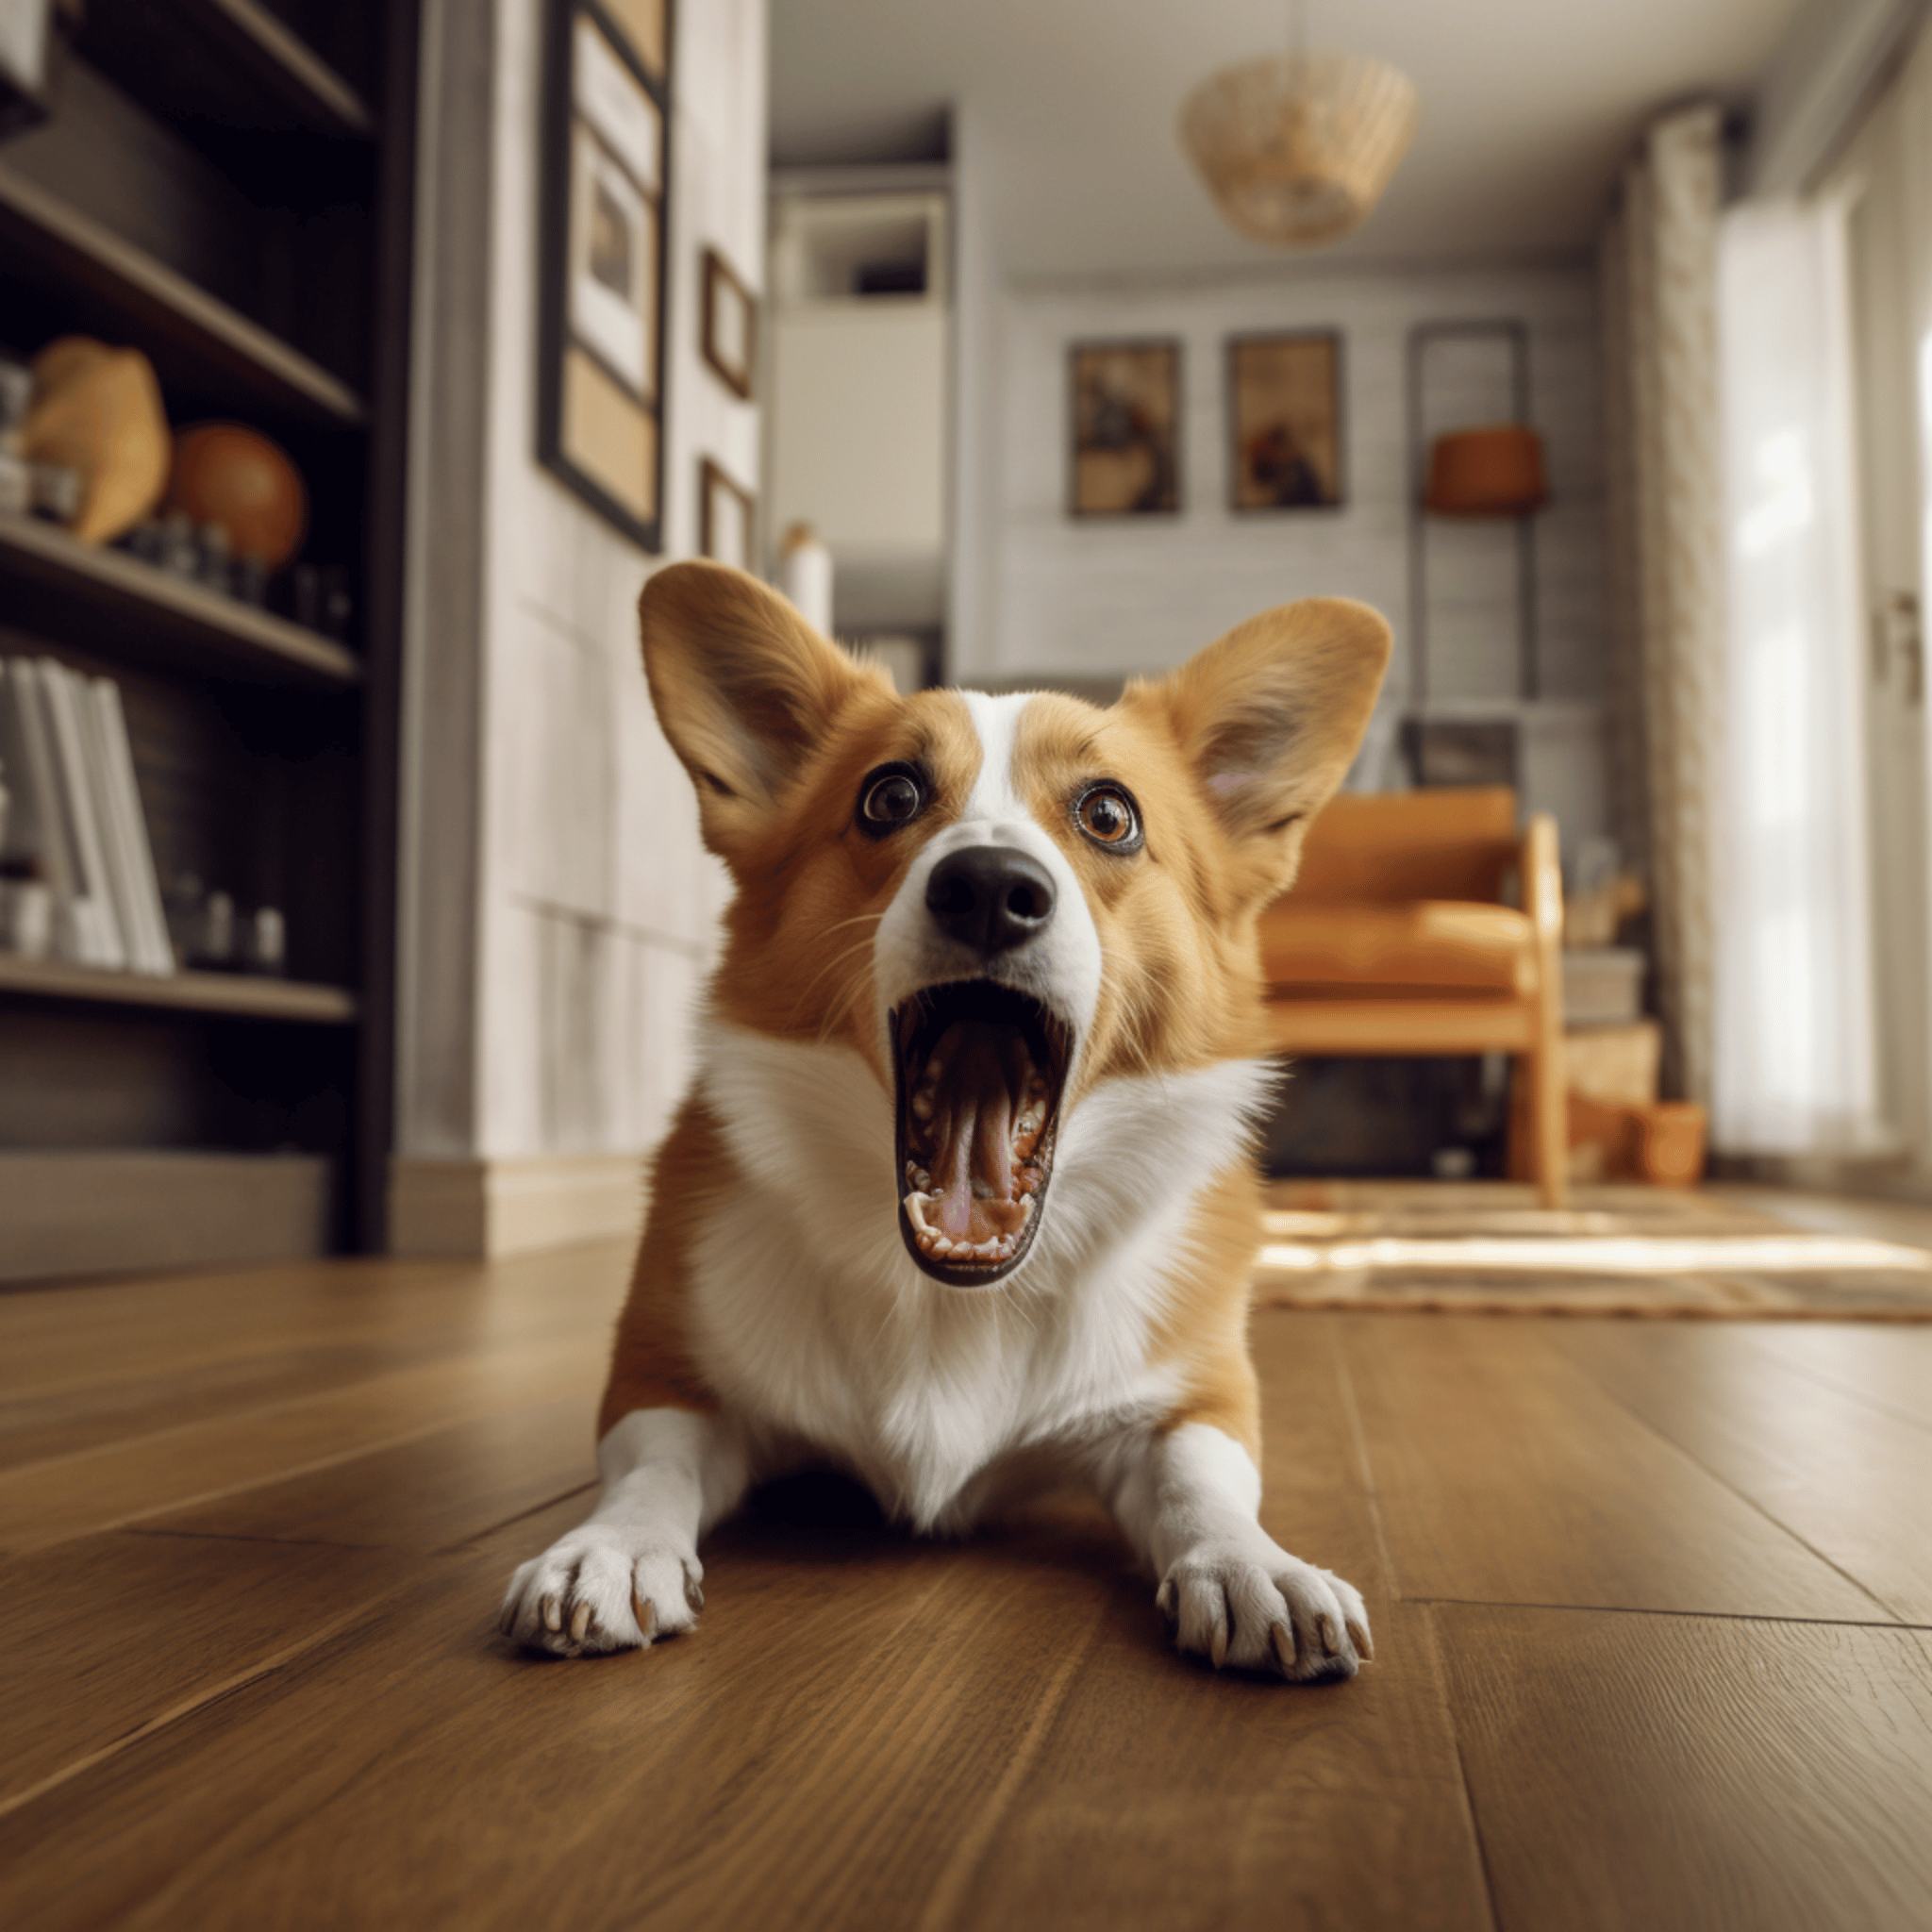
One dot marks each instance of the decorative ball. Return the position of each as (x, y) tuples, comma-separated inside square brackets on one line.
[(226, 474)]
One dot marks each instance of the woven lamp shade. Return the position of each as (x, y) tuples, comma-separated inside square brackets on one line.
[(1298, 149), (1493, 472)]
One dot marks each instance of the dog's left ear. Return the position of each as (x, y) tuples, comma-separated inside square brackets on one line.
[(745, 690), (1270, 718)]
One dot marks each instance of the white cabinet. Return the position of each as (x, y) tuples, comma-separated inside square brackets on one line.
[(858, 362)]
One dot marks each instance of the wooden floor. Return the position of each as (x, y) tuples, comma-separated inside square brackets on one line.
[(1653, 1609)]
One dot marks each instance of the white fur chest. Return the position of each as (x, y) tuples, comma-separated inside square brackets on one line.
[(818, 1329)]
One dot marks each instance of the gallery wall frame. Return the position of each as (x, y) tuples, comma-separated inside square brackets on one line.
[(730, 330), (728, 518), (605, 266), (1124, 428), (1286, 429)]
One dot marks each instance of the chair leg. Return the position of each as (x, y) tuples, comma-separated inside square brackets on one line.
[(1549, 1137)]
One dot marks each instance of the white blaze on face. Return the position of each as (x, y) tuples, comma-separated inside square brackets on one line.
[(1061, 968)]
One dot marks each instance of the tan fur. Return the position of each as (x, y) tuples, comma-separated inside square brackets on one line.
[(1207, 1329), (651, 1365)]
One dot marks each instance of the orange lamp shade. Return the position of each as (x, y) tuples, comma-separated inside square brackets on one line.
[(1493, 472)]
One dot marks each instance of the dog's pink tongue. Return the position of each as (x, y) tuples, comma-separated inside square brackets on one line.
[(979, 1137)]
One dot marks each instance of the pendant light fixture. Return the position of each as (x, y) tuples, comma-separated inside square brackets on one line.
[(1297, 148)]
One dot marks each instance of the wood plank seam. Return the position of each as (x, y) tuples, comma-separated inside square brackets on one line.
[(201, 1698), (1514, 1603), (1843, 1385), (959, 1871), (1895, 1620), (582, 1489), (1474, 1818), (1365, 1469)]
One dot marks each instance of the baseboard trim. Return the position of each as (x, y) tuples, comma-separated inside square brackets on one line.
[(112, 1211), (481, 1208)]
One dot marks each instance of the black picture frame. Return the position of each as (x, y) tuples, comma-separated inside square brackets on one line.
[(715, 487), (725, 291), (600, 415), (1124, 427), (1287, 454)]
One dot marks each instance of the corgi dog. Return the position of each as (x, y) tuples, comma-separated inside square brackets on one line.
[(962, 1199)]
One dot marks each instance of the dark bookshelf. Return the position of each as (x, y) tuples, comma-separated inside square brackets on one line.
[(226, 186)]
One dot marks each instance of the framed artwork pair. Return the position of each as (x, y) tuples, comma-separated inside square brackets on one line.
[(606, 190), (607, 166), (1285, 434)]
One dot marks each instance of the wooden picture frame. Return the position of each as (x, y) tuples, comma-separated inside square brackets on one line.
[(606, 160), (1124, 428), (731, 326), (727, 519), (1286, 449)]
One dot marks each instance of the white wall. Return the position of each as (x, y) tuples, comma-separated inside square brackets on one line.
[(592, 906), (599, 902), (1097, 598)]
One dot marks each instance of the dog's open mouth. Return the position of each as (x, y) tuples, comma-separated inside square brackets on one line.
[(980, 1073)]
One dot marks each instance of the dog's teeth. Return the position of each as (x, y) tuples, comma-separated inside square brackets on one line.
[(922, 1181), (923, 1105), (915, 1213)]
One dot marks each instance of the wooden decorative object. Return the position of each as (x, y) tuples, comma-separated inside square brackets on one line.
[(1284, 420), (228, 474), (606, 162), (726, 518), (730, 333), (1298, 150), (1126, 429), (99, 411)]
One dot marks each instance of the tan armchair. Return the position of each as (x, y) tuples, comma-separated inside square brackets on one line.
[(1398, 940)]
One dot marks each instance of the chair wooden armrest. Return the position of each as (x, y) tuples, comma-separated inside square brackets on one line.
[(1543, 900)]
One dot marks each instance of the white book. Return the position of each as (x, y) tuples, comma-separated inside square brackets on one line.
[(80, 786), (144, 924), (37, 824), (117, 862)]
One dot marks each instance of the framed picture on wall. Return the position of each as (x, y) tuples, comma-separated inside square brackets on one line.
[(1284, 421), (606, 161), (730, 330), (726, 517), (1124, 429)]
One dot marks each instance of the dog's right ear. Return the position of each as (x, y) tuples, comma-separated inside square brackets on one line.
[(745, 690)]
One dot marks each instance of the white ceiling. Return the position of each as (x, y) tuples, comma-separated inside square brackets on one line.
[(1529, 107)]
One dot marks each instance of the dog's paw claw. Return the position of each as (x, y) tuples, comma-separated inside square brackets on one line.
[(601, 1589), (1256, 1607), (1281, 1641)]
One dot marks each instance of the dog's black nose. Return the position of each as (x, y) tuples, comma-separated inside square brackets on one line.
[(991, 897)]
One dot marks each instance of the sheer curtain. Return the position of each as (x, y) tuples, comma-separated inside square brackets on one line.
[(1793, 1042), (1657, 259)]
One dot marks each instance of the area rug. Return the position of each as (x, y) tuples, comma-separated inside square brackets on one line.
[(1485, 1248)]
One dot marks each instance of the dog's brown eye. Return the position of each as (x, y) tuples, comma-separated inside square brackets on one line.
[(888, 798), (1107, 815)]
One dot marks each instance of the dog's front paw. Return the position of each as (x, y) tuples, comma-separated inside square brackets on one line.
[(601, 1589), (1258, 1608)]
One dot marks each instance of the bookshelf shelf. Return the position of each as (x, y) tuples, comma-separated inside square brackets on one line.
[(224, 63), (194, 993), (130, 610), (277, 61), (181, 325)]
